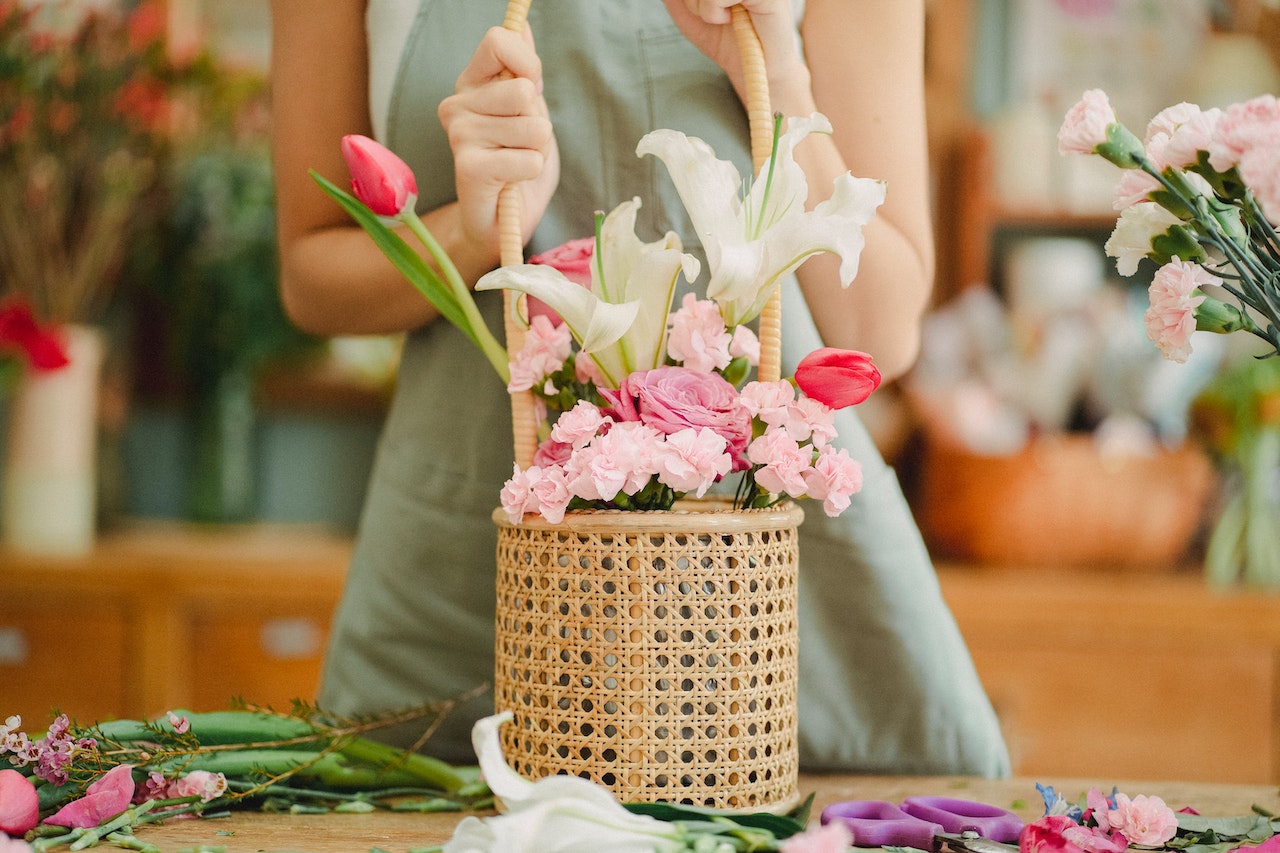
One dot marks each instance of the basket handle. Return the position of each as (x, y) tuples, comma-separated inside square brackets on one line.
[(511, 246)]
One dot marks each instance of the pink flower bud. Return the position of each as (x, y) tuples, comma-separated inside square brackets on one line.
[(19, 804), (836, 377), (379, 178)]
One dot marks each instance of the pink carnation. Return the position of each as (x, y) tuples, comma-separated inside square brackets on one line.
[(1192, 136), (1244, 127), (580, 424), (546, 346), (833, 837), (745, 344), (1172, 316), (692, 459), (698, 337), (1085, 126), (552, 452), (834, 477), (551, 491), (517, 496), (782, 462)]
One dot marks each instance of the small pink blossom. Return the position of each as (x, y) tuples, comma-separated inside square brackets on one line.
[(834, 837), (198, 783), (692, 460), (1061, 834), (745, 344), (1134, 187), (768, 401), (1085, 125), (834, 477), (783, 462), (585, 370), (818, 420), (19, 803), (106, 797), (379, 178), (580, 424), (698, 337), (1171, 318), (1142, 820), (546, 346), (181, 725)]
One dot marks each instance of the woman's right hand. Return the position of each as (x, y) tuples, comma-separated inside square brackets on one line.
[(500, 131)]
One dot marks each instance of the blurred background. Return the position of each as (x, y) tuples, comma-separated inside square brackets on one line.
[(1106, 522)]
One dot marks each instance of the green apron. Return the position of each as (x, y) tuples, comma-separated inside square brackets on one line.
[(886, 683)]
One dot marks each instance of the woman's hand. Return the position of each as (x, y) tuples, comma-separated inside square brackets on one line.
[(706, 23), (500, 132)]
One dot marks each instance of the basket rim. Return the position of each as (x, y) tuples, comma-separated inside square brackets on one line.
[(703, 514)]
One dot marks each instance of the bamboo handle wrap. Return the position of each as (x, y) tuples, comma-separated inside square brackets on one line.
[(524, 425), (760, 118)]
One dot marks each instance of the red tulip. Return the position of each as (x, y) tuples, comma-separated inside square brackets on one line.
[(19, 804), (20, 330), (837, 377), (379, 178)]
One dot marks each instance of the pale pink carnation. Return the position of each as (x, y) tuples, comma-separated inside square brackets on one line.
[(782, 462), (1189, 138), (1136, 227), (1171, 318), (1242, 127), (1085, 126), (632, 447), (745, 344), (834, 477), (580, 424), (768, 401), (1133, 188), (1142, 820), (814, 421), (546, 346), (1260, 170), (693, 459), (698, 337), (551, 452), (552, 493), (517, 496), (834, 837), (1170, 119), (586, 370)]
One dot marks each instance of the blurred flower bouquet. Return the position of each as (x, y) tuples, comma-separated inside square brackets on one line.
[(652, 401), (86, 112), (1200, 197)]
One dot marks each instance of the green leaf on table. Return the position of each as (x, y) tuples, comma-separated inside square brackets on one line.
[(782, 826)]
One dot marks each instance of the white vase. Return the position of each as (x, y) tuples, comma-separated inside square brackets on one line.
[(49, 505)]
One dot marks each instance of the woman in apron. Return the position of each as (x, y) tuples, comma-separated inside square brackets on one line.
[(886, 682)]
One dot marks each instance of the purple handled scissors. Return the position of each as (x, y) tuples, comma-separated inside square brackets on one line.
[(925, 822)]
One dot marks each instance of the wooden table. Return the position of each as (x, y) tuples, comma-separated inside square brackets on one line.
[(398, 832)]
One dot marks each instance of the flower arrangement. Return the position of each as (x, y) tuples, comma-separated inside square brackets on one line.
[(642, 402), (86, 113), (1200, 197)]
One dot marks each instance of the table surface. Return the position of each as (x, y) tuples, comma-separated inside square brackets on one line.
[(397, 832)]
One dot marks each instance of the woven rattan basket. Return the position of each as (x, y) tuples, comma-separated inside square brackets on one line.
[(652, 652)]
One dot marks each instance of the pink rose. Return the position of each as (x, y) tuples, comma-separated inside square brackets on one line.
[(836, 377), (670, 399), (1061, 834), (379, 178), (1143, 820), (833, 837), (106, 797), (19, 803), (573, 260), (1085, 126)]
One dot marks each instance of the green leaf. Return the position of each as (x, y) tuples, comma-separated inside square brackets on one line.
[(782, 826), (410, 263), (1241, 826)]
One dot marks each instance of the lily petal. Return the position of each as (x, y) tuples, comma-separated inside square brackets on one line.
[(593, 322)]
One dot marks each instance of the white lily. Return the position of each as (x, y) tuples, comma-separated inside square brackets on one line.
[(621, 322), (556, 814), (752, 243)]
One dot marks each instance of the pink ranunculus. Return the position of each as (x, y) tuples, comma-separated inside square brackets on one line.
[(1061, 834), (1143, 820), (834, 477), (670, 399), (573, 260), (1171, 318), (693, 459), (19, 803), (834, 837), (1085, 126), (379, 178), (698, 338), (837, 377), (106, 797)]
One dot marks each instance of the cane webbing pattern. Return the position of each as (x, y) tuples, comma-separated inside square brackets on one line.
[(653, 653)]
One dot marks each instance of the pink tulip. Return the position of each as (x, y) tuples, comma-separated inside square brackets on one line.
[(103, 799), (19, 805), (837, 378), (379, 178)]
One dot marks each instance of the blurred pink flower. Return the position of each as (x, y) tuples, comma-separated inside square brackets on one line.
[(1061, 834), (13, 845), (379, 178), (19, 803), (698, 337), (833, 837), (106, 797), (198, 783), (745, 344), (1243, 127), (1172, 316)]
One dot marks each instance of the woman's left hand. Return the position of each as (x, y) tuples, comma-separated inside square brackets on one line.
[(706, 23)]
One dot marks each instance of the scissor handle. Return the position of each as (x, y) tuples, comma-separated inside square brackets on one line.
[(957, 816), (875, 823)]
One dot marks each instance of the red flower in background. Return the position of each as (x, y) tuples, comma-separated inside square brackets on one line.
[(43, 347)]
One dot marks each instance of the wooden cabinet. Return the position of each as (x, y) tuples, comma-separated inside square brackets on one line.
[(162, 617), (1127, 674)]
